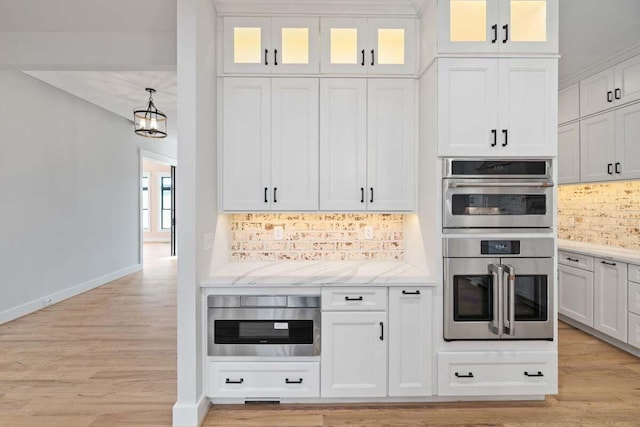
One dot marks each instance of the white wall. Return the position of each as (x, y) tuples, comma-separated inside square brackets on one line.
[(69, 173)]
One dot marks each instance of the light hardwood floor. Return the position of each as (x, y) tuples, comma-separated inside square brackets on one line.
[(107, 358)]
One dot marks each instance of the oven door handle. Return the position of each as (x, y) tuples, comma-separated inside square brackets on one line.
[(510, 302), (497, 272), (545, 184)]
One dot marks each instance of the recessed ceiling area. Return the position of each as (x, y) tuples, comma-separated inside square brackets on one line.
[(119, 91)]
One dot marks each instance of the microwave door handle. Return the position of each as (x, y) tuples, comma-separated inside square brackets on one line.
[(496, 322), (545, 184), (510, 318)]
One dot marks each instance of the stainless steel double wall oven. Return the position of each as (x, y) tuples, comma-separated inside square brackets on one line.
[(498, 284)]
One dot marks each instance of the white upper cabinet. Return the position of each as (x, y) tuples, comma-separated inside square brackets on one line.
[(367, 148), (270, 145), (498, 26), (569, 153), (569, 104), (266, 45), (611, 88), (497, 107), (368, 46), (627, 164)]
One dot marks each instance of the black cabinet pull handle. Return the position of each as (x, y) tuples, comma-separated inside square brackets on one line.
[(494, 132), (266, 59), (265, 195), (361, 194), (288, 381), (373, 57), (573, 259), (506, 33), (505, 132), (494, 27), (240, 381), (609, 96), (469, 375), (618, 167), (618, 93), (353, 299), (275, 56), (608, 263), (610, 168), (539, 374), (362, 58), (410, 293), (275, 192), (381, 331), (371, 200)]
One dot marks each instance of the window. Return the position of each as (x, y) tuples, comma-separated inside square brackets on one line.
[(145, 201), (165, 203)]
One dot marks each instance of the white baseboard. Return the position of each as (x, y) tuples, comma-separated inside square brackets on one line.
[(38, 304), (190, 415)]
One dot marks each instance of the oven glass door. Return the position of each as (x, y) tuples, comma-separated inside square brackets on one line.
[(477, 206), (470, 296), (533, 300)]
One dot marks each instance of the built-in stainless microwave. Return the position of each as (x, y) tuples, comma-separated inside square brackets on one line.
[(271, 326), (497, 194)]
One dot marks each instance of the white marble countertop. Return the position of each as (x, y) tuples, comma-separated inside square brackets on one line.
[(318, 273), (608, 252)]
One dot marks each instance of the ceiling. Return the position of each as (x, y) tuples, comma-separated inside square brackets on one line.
[(119, 91)]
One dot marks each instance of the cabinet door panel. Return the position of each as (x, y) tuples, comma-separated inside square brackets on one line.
[(528, 97), (394, 44), (246, 144), (627, 132), (391, 148), (294, 144), (610, 298), (597, 148), (468, 26), (532, 26), (410, 351), (354, 358), (342, 42), (296, 41), (596, 92), (627, 77), (569, 153), (343, 144), (569, 104), (245, 42), (575, 294), (468, 107)]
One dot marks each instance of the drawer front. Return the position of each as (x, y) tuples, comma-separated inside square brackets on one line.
[(354, 299), (497, 373), (634, 298), (634, 273), (264, 380), (634, 330), (584, 262)]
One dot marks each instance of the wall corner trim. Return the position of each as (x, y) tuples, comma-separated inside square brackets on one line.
[(35, 305), (185, 415)]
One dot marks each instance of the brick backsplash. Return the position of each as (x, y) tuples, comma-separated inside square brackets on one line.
[(335, 236), (605, 214)]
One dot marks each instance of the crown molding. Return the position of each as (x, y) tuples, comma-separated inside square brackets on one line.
[(399, 8)]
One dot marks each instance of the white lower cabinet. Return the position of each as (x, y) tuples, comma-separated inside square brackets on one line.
[(633, 299), (497, 373), (610, 298), (410, 342), (263, 379), (634, 330), (354, 354), (575, 294)]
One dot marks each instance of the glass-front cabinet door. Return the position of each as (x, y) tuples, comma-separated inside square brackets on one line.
[(498, 26), (265, 45), (368, 46)]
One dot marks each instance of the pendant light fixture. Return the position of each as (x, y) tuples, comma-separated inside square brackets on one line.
[(149, 121)]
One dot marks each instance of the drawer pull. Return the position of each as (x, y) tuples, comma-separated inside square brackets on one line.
[(539, 374), (353, 299), (608, 263), (288, 381), (469, 375), (410, 293), (572, 259), (240, 381)]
